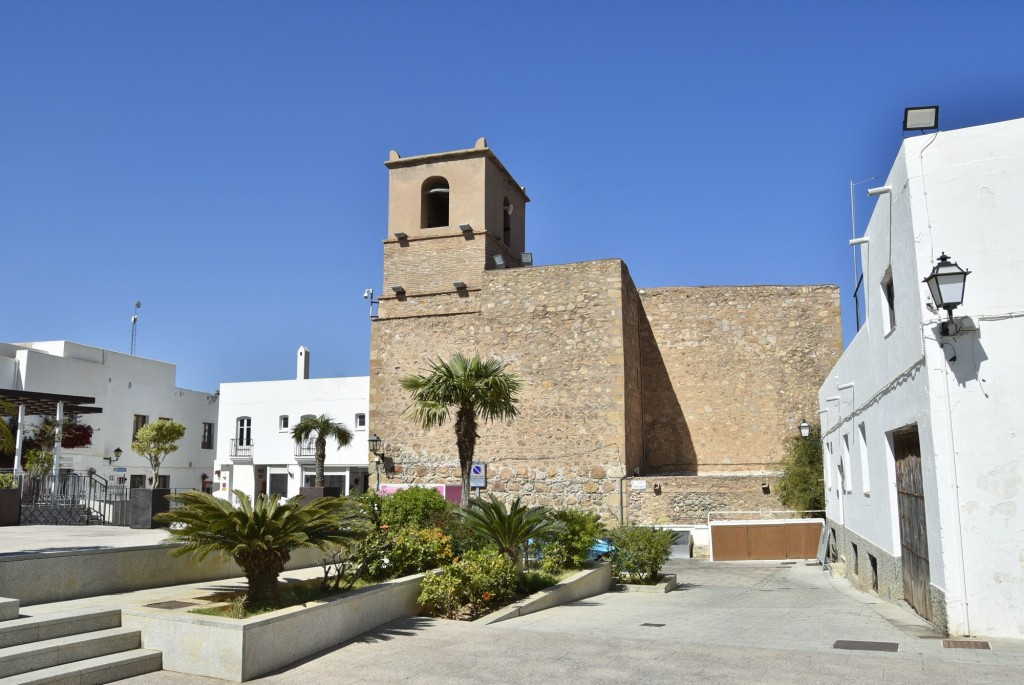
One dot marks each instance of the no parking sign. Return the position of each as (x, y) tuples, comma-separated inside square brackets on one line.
[(478, 475)]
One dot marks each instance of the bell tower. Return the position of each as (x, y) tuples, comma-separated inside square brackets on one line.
[(451, 216)]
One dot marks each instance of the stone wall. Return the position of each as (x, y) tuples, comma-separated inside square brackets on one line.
[(687, 500), (729, 372)]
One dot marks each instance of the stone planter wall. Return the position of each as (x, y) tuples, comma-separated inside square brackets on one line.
[(243, 649)]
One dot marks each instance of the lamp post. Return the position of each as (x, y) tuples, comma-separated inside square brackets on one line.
[(946, 284), (117, 456), (374, 445)]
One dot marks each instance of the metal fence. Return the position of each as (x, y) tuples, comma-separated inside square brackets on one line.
[(72, 498)]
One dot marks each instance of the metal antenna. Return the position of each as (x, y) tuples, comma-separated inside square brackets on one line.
[(135, 323), (853, 236)]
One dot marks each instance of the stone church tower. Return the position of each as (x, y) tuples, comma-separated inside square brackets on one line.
[(693, 389)]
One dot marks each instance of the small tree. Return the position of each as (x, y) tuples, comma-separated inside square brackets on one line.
[(474, 388), (73, 433), (318, 429), (37, 463), (802, 484), (156, 440), (6, 434)]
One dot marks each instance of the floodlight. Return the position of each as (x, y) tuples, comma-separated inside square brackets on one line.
[(921, 118)]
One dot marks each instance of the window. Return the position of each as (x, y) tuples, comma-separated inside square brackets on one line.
[(207, 436), (243, 432), (360, 423), (334, 480), (506, 220), (844, 464), (163, 481), (435, 202), (282, 422), (889, 296), (862, 453), (138, 423), (137, 481), (165, 418)]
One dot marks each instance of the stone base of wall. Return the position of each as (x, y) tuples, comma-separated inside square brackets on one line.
[(689, 500), (856, 566)]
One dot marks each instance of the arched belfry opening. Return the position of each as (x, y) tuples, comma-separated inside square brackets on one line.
[(435, 202), (506, 222)]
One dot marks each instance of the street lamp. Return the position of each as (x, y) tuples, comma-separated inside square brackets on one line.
[(805, 429), (374, 444), (117, 456), (946, 283)]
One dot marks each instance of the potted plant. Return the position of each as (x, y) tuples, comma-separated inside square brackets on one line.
[(10, 500)]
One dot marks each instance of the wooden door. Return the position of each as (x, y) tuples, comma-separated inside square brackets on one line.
[(913, 529)]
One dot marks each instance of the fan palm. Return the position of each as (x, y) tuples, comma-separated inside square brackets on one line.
[(474, 388), (319, 429), (260, 536), (509, 528)]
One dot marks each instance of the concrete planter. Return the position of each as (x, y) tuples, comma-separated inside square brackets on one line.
[(243, 649), (311, 493), (146, 504), (586, 583), (666, 584), (10, 507)]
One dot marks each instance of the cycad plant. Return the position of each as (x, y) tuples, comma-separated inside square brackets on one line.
[(509, 527), (260, 536)]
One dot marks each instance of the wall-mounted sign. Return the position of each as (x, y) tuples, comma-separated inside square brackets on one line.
[(120, 469), (638, 484), (478, 475)]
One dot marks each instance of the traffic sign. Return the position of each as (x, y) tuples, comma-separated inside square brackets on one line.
[(478, 475)]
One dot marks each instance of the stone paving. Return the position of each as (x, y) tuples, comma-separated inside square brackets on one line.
[(728, 623)]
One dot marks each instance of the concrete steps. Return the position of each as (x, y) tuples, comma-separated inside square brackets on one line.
[(75, 647)]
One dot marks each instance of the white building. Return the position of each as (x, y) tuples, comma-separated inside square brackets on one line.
[(256, 452), (923, 432), (130, 391)]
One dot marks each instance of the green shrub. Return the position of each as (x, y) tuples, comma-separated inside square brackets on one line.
[(473, 585), (534, 581), (389, 553), (464, 538), (640, 552), (416, 507), (8, 481), (569, 546)]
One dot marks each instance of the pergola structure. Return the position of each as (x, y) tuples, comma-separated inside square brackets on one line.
[(45, 404)]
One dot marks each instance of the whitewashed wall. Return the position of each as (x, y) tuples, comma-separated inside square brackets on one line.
[(123, 386), (959, 192), (273, 448)]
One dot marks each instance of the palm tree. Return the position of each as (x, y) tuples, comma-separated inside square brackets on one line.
[(509, 529), (474, 388), (318, 429), (260, 536)]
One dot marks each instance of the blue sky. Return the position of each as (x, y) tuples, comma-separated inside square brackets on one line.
[(223, 162)]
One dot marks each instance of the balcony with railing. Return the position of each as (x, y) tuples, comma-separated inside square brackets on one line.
[(241, 450), (305, 450)]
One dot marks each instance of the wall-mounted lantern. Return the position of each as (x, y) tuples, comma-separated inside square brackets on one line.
[(946, 284), (117, 456), (805, 429)]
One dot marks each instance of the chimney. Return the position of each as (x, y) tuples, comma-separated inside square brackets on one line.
[(302, 365)]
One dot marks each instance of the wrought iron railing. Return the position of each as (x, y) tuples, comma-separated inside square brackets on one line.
[(305, 449), (73, 499), (241, 448)]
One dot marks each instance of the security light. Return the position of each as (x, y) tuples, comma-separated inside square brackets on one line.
[(399, 290), (499, 261), (466, 228), (459, 285), (921, 118), (527, 259), (401, 236)]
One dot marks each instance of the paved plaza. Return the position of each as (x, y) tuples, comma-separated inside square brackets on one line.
[(729, 622)]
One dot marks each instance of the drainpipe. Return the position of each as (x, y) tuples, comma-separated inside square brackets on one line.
[(622, 510)]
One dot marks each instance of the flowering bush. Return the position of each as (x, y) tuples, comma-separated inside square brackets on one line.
[(472, 585)]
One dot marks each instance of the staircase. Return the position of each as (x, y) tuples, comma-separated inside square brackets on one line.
[(74, 648)]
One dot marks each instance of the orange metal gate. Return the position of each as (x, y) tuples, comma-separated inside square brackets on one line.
[(768, 540)]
